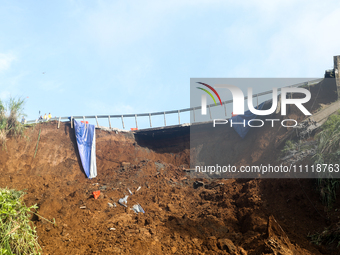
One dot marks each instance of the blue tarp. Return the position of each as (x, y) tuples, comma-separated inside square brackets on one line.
[(248, 115), (86, 141)]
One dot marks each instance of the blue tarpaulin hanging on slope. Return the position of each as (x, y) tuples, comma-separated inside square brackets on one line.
[(86, 141), (248, 115)]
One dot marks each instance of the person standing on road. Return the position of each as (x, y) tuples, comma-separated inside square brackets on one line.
[(49, 116), (45, 117)]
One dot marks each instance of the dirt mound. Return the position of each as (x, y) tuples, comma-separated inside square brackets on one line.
[(230, 216)]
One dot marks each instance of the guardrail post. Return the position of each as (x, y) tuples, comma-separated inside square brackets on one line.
[(209, 111), (136, 121), (71, 121), (109, 122), (123, 122), (84, 121), (164, 120), (150, 119), (179, 118), (225, 109), (193, 111), (97, 121), (59, 122)]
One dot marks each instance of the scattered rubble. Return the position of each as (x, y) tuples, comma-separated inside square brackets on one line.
[(137, 209), (123, 201), (198, 184), (303, 149)]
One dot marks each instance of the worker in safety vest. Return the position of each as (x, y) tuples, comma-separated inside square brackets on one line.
[(49, 116), (45, 117)]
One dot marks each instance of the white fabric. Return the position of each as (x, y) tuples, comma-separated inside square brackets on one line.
[(93, 164)]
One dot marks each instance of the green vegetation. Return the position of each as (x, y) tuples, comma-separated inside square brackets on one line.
[(330, 236), (16, 234), (10, 112), (289, 146), (328, 141), (328, 152), (37, 144)]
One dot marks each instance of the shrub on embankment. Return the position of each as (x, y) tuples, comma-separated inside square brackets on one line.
[(10, 112), (328, 152), (17, 233)]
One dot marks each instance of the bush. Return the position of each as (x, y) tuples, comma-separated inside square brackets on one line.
[(16, 234), (328, 140), (10, 112), (15, 109), (289, 146), (328, 152), (330, 236)]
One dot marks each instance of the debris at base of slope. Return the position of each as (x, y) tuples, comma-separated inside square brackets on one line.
[(96, 194), (303, 149), (137, 209), (104, 187), (123, 201), (198, 184), (159, 166)]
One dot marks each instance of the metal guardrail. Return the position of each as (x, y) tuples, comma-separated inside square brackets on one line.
[(308, 83)]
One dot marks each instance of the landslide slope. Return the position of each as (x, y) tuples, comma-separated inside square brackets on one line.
[(224, 216)]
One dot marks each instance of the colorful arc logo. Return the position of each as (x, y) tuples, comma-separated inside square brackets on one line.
[(213, 90)]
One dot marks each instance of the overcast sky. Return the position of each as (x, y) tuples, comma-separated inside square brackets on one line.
[(73, 57)]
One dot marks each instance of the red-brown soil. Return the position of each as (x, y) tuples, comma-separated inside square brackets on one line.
[(225, 216)]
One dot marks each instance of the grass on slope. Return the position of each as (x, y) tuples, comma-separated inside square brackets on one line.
[(17, 233)]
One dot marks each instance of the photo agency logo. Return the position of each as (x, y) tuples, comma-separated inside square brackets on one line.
[(238, 104)]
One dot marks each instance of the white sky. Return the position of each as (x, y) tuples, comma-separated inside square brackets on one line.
[(75, 57)]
